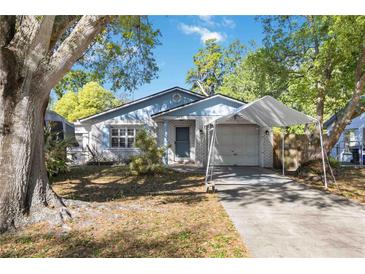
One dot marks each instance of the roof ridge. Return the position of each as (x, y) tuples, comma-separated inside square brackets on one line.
[(141, 99), (195, 101)]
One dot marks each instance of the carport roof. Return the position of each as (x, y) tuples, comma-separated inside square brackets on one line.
[(269, 112)]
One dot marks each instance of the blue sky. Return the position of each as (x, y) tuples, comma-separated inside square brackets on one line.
[(181, 38)]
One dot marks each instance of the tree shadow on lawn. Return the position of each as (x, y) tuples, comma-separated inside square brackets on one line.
[(105, 183), (183, 243)]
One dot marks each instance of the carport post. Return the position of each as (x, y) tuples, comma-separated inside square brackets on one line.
[(212, 139), (282, 149), (322, 152)]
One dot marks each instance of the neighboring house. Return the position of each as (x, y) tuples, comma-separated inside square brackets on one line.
[(350, 146), (59, 125), (179, 119)]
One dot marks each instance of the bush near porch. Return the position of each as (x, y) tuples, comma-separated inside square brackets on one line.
[(149, 160), (118, 215)]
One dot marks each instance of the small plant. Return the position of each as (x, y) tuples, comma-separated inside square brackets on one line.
[(149, 161), (334, 162), (55, 152)]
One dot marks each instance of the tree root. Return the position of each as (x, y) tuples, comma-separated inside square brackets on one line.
[(50, 209)]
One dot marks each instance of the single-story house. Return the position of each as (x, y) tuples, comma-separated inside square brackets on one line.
[(180, 120), (350, 146), (62, 128)]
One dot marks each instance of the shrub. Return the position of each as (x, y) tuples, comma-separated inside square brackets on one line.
[(149, 161), (334, 162), (55, 152)]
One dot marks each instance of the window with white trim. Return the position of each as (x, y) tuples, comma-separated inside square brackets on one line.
[(123, 137)]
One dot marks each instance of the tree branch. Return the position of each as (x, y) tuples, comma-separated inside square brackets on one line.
[(61, 24), (360, 65), (7, 29), (7, 63), (352, 107), (31, 41), (72, 48)]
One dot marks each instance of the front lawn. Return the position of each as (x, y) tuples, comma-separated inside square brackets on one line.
[(115, 215), (350, 181)]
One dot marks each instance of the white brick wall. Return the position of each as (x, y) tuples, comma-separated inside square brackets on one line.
[(266, 147)]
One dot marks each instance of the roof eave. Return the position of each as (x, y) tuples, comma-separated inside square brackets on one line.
[(138, 101)]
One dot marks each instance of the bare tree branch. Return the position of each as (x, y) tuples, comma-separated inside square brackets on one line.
[(360, 65), (31, 41), (61, 24), (72, 48), (353, 106), (7, 29)]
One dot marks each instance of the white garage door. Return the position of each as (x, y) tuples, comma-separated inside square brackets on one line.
[(237, 145)]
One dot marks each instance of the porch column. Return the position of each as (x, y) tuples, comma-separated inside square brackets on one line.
[(166, 140)]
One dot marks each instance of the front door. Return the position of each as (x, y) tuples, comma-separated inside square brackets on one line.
[(182, 143)]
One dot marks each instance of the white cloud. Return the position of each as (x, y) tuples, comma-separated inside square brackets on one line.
[(228, 23), (208, 19), (204, 33)]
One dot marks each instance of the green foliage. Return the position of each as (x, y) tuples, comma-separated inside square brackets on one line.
[(334, 163), (73, 81), (211, 63), (55, 152), (122, 55), (319, 54), (149, 161), (303, 58), (255, 77), (91, 99)]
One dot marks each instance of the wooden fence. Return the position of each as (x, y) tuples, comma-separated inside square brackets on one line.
[(298, 149)]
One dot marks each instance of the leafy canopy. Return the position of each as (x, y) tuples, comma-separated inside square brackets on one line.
[(254, 77), (302, 59), (211, 63), (121, 55), (89, 100)]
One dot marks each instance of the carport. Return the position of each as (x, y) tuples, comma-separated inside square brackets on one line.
[(264, 112)]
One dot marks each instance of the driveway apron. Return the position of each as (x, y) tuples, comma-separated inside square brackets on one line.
[(277, 217)]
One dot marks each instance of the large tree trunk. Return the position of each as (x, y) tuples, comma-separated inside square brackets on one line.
[(28, 72), (352, 107), (25, 193), (346, 116)]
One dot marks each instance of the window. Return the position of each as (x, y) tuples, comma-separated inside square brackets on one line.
[(123, 137)]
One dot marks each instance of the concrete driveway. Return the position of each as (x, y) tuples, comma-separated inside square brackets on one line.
[(277, 217)]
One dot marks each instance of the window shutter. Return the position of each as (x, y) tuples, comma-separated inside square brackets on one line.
[(105, 139)]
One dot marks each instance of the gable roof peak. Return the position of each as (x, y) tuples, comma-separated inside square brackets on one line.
[(199, 96)]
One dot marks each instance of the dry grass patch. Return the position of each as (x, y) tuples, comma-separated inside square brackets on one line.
[(350, 181), (116, 215)]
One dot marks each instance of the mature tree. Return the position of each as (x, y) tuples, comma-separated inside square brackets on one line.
[(254, 77), (121, 55), (348, 41), (90, 99), (212, 63), (35, 54), (314, 63)]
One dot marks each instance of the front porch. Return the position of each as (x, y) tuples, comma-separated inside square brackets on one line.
[(180, 138)]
